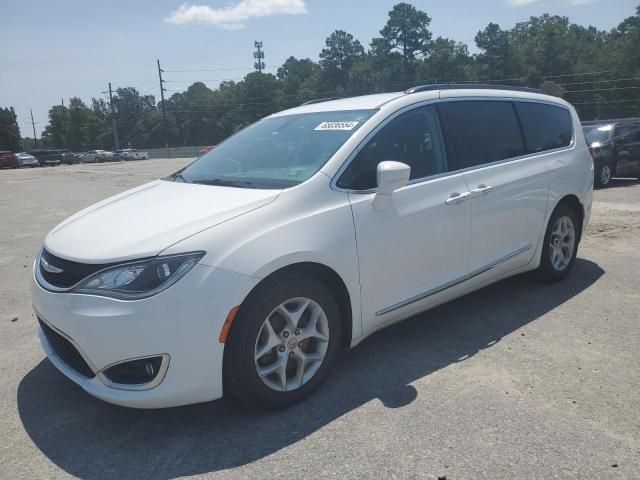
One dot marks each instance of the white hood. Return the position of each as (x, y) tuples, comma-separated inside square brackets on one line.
[(148, 219)]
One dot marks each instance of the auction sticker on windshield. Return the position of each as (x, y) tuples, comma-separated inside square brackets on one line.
[(337, 126)]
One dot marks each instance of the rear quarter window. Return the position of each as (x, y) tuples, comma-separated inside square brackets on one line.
[(545, 127)]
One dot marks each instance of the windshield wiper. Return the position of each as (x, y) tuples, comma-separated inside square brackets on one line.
[(179, 177), (226, 183)]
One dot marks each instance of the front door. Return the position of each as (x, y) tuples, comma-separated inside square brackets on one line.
[(417, 243)]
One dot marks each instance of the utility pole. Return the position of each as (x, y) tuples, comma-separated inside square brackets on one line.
[(259, 56), (114, 120), (35, 137), (66, 124), (164, 113)]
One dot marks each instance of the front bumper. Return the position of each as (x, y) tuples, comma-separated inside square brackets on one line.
[(183, 323)]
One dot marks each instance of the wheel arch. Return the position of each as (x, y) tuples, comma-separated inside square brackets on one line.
[(327, 276), (573, 202)]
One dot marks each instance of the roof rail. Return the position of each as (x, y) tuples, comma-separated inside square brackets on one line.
[(319, 100), (470, 86)]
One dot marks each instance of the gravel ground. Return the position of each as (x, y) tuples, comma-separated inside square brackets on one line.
[(519, 380)]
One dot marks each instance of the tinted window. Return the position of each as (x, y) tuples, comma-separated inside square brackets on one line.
[(413, 138), (484, 131), (634, 134), (545, 126)]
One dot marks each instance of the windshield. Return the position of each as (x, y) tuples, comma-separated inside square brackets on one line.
[(598, 133), (277, 152)]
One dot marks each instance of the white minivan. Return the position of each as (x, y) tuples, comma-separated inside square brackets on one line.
[(247, 270)]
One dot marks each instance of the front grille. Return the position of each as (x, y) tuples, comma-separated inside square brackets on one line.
[(72, 272), (66, 351)]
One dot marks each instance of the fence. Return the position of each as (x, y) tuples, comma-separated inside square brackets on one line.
[(177, 152)]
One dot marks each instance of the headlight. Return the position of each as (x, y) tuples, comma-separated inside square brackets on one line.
[(137, 280)]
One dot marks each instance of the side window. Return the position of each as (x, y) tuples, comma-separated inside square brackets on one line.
[(545, 127), (621, 134), (413, 138), (483, 131), (634, 135)]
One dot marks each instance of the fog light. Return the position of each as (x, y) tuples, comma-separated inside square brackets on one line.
[(134, 372)]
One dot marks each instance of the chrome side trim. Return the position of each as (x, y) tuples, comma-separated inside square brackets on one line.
[(453, 283)]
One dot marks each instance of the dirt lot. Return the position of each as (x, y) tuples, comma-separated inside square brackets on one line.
[(519, 380)]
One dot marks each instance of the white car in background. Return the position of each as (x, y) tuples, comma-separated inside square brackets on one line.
[(93, 156), (131, 154), (309, 230), (26, 160)]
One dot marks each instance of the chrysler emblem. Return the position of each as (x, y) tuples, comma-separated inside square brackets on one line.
[(49, 267)]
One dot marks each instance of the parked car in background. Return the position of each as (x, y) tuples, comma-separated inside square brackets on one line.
[(93, 156), (67, 157), (241, 272), (47, 157), (130, 154), (9, 159), (615, 147), (27, 160), (205, 149)]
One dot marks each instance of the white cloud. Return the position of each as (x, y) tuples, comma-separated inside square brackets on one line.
[(235, 16), (524, 3)]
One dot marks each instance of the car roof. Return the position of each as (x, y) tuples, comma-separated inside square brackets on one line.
[(419, 94)]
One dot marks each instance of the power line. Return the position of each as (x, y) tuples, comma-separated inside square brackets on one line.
[(611, 80), (601, 90), (581, 74), (218, 69)]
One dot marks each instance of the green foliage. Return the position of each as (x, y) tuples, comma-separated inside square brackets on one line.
[(9, 130), (597, 71), (337, 59)]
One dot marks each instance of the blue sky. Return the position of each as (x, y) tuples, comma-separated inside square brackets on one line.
[(62, 48)]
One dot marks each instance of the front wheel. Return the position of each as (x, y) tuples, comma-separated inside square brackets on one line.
[(560, 244), (282, 342)]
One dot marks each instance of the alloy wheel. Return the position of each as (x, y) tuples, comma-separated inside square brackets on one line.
[(562, 243), (605, 175), (291, 344)]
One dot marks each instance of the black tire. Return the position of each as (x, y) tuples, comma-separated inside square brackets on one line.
[(547, 272), (602, 175), (239, 369)]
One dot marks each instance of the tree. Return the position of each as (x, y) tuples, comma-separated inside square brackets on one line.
[(337, 58), (299, 78), (54, 134), (552, 88), (9, 130), (447, 62), (496, 61), (407, 34), (81, 119)]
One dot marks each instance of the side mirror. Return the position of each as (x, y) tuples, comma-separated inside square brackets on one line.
[(391, 176)]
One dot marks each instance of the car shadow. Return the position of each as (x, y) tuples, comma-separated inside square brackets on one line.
[(92, 439)]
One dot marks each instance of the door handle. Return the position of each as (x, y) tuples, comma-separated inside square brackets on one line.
[(482, 189), (456, 198)]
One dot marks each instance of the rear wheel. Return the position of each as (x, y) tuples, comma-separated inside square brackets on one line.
[(560, 244), (602, 175), (282, 342)]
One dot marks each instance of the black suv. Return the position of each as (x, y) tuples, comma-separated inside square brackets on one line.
[(615, 147), (54, 157)]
